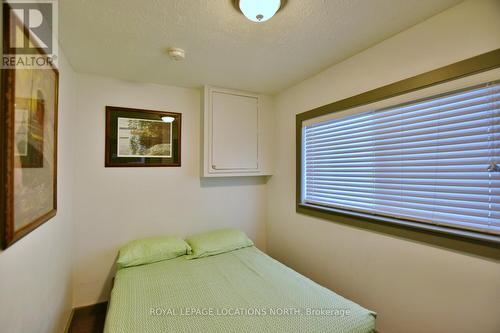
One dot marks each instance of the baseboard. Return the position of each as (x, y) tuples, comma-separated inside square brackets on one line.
[(85, 311), (90, 309), (68, 323)]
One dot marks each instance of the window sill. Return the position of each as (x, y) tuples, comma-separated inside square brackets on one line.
[(462, 240)]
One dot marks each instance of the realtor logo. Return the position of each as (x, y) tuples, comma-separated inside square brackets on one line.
[(30, 34)]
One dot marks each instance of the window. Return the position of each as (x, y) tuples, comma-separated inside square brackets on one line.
[(431, 161)]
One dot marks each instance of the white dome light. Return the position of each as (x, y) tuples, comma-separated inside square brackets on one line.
[(259, 10)]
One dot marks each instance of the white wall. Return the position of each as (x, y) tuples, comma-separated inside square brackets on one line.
[(414, 287), (115, 205), (36, 272)]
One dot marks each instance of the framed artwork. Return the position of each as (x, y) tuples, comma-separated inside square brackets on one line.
[(142, 138), (28, 149)]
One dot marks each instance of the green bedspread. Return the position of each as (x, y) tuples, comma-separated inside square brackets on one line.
[(239, 291)]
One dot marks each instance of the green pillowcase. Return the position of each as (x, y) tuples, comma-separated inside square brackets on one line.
[(217, 241), (149, 250)]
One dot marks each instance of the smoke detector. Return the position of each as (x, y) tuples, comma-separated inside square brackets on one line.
[(176, 53)]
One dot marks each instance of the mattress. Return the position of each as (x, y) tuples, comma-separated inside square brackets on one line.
[(239, 291)]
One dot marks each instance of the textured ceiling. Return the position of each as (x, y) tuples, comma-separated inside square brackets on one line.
[(127, 39)]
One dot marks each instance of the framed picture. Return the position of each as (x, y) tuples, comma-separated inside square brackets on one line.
[(28, 150), (142, 138)]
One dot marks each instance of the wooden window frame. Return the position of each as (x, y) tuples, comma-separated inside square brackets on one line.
[(485, 244)]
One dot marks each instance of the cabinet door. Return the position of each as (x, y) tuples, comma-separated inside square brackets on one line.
[(235, 132)]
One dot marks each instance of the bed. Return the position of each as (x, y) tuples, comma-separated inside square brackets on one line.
[(239, 291)]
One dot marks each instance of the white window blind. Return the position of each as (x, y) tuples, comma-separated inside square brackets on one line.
[(431, 161)]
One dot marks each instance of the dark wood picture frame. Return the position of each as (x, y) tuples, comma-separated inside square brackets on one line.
[(173, 149), (8, 98)]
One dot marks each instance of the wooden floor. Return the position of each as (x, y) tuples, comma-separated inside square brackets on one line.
[(88, 319)]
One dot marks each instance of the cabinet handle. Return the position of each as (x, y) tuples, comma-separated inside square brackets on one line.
[(214, 166)]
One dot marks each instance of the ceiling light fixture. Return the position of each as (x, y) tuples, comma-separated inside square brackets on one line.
[(259, 10)]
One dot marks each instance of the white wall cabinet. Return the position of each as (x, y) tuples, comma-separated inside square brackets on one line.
[(234, 134)]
